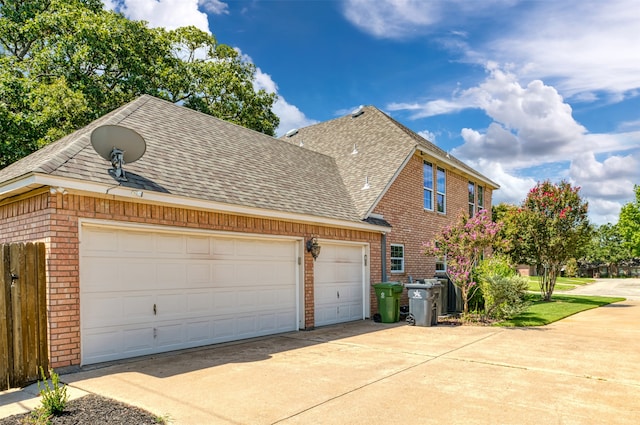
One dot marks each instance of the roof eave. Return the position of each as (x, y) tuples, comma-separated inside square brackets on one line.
[(67, 185), (443, 159)]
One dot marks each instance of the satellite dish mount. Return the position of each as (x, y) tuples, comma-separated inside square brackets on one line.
[(119, 145)]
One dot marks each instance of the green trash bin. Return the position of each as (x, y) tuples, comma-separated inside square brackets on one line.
[(388, 294)]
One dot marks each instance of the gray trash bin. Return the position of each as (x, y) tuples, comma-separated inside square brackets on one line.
[(423, 302)]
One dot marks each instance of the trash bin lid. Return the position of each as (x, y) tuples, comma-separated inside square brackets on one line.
[(394, 286)]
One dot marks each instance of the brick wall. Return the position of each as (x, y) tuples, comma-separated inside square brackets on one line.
[(53, 218), (403, 207)]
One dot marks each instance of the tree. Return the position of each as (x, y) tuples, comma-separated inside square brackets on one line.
[(463, 244), (607, 247), (64, 63), (548, 229), (629, 223)]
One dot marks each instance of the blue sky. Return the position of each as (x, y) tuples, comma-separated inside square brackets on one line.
[(521, 90)]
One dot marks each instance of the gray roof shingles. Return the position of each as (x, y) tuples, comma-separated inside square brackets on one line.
[(382, 143), (195, 155)]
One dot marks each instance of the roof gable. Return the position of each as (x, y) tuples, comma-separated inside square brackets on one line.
[(370, 147)]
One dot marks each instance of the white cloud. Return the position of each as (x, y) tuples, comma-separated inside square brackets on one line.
[(169, 14), (216, 7), (584, 46), (391, 18), (532, 135), (398, 19), (429, 135)]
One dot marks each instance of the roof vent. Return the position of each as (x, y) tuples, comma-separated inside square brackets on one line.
[(119, 145), (292, 132), (366, 184), (301, 143), (357, 112), (355, 149)]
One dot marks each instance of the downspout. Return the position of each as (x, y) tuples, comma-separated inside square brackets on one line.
[(383, 256)]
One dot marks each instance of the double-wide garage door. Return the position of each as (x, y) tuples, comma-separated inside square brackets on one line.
[(144, 292)]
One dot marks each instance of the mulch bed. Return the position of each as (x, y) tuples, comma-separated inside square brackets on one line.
[(92, 409)]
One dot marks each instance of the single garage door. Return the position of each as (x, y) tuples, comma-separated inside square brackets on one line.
[(145, 292), (339, 284)]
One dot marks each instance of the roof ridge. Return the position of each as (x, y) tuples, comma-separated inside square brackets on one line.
[(436, 149)]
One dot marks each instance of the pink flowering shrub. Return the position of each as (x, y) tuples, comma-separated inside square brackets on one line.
[(463, 245)]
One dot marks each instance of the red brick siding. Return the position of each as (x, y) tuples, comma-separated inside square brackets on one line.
[(54, 219), (403, 207)]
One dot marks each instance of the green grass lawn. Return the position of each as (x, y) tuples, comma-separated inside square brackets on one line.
[(542, 312), (562, 283)]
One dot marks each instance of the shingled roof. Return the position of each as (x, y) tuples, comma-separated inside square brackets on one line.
[(194, 155), (371, 147)]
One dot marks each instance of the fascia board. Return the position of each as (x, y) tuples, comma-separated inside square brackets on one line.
[(33, 181)]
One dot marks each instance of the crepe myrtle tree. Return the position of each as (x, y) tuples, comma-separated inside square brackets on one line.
[(463, 244), (549, 228)]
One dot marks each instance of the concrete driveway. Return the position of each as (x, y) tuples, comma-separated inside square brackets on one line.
[(582, 370)]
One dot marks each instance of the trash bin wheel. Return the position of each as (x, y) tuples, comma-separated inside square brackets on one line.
[(411, 320)]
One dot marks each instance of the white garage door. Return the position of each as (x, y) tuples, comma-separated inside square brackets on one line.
[(144, 292), (339, 284)]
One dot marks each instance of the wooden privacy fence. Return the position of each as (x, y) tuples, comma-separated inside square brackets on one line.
[(23, 314)]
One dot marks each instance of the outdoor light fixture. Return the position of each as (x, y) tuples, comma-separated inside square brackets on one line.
[(313, 247)]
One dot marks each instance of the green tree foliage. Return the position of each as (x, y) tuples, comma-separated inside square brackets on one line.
[(629, 223), (548, 229), (64, 63), (608, 247)]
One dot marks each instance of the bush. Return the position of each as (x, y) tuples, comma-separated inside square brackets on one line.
[(571, 268), (54, 396), (504, 297)]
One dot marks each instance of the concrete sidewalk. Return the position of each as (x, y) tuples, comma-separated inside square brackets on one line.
[(582, 370)]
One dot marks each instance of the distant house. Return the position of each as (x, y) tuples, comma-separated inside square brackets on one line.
[(208, 236)]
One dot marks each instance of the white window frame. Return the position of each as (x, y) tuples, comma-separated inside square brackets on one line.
[(471, 192), (427, 189), (441, 191), (480, 190), (401, 259)]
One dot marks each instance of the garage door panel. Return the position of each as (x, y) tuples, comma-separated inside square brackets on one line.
[(199, 331), (140, 243), (198, 245), (132, 275), (104, 310), (198, 274), (170, 274), (199, 302), (169, 244)]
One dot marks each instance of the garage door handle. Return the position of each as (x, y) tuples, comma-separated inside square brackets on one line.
[(338, 294), (155, 310)]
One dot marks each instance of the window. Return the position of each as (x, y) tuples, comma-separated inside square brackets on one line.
[(441, 185), (427, 169), (397, 258), (480, 198), (441, 265), (472, 199)]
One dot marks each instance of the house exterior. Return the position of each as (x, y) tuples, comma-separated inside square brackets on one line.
[(412, 184), (205, 241)]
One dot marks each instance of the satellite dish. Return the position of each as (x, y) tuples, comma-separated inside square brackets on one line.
[(119, 145)]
